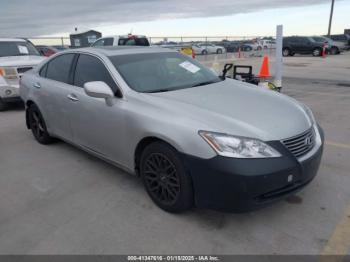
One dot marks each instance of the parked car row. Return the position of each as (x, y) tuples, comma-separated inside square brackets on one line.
[(208, 48), (21, 55), (314, 45)]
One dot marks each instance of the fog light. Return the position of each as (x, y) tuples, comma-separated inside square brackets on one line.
[(8, 92)]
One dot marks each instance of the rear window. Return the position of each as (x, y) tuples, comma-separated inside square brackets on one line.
[(58, 69), (339, 37), (19, 48), (134, 41)]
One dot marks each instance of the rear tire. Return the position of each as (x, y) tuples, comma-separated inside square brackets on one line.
[(3, 105), (219, 51), (165, 178), (334, 50), (204, 52), (38, 126)]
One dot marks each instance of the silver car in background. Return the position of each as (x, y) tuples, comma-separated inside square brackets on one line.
[(194, 138)]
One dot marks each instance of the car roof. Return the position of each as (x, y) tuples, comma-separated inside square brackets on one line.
[(12, 40), (122, 50)]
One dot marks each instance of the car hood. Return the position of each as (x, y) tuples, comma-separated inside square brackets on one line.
[(236, 108), (16, 61)]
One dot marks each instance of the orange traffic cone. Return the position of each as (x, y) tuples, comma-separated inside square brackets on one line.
[(324, 51), (264, 70)]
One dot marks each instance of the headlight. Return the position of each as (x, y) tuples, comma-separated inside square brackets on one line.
[(8, 72), (238, 147)]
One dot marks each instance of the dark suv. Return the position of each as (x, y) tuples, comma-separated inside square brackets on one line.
[(301, 45)]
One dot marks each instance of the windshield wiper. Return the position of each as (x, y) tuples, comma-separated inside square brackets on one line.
[(159, 90), (205, 83)]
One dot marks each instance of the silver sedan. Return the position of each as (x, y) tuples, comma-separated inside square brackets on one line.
[(194, 138)]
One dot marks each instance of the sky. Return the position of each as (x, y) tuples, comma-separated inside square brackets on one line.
[(161, 18)]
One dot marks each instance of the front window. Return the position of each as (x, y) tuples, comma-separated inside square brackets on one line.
[(161, 72), (319, 39), (17, 48), (103, 42)]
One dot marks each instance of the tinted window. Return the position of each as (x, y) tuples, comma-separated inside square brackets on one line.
[(133, 41), (104, 42), (90, 69), (338, 37), (43, 71), (305, 40), (108, 42), (98, 43), (319, 39), (58, 69)]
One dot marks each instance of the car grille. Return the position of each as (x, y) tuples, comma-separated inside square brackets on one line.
[(301, 144), (22, 70)]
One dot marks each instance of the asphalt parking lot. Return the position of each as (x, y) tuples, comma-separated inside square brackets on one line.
[(59, 200)]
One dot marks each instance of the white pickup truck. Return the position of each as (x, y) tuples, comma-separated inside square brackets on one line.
[(16, 57)]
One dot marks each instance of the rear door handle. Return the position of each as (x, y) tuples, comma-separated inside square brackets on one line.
[(37, 85), (72, 97)]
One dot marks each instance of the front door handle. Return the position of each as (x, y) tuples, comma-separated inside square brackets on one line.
[(37, 85), (72, 97)]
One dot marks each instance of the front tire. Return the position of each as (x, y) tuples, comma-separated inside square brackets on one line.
[(3, 105), (219, 51), (317, 52), (204, 52), (165, 178), (286, 52), (38, 126)]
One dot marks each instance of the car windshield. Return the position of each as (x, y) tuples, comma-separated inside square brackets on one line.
[(17, 48), (162, 72)]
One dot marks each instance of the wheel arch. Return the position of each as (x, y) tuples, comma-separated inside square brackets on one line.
[(143, 143), (28, 104)]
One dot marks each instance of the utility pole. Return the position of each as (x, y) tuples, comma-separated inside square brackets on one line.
[(330, 19)]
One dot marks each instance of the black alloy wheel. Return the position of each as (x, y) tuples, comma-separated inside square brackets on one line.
[(161, 178), (165, 178), (38, 126)]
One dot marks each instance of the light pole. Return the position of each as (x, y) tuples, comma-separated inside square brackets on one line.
[(330, 19)]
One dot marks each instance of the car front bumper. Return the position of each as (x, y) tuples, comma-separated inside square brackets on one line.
[(242, 185)]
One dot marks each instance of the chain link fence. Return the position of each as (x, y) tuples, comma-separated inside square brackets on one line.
[(206, 48)]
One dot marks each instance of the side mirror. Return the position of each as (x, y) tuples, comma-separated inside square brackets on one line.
[(99, 89)]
